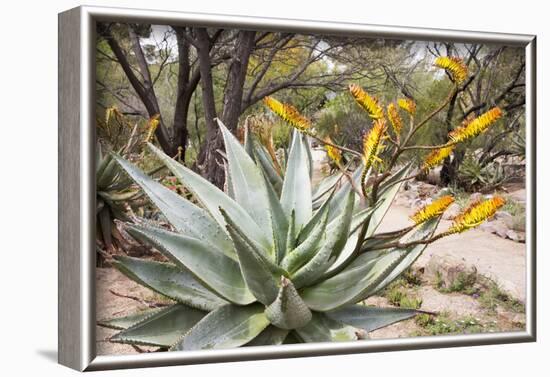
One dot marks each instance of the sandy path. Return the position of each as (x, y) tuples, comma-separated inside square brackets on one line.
[(500, 259)]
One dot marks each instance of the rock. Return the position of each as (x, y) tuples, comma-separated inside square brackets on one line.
[(505, 217), (444, 269), (508, 316), (417, 204), (500, 228), (516, 236), (426, 190), (459, 305), (451, 212), (475, 197), (518, 196), (497, 227)]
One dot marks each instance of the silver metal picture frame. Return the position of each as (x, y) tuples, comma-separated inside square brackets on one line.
[(77, 319)]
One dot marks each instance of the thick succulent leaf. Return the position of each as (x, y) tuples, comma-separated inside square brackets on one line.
[(305, 251), (266, 164), (345, 255), (307, 149), (338, 202), (106, 175), (249, 142), (358, 219), (279, 223), (105, 225), (229, 326), (122, 323), (161, 329), (212, 268), (271, 336), (330, 249), (354, 282), (370, 318), (101, 161), (325, 186), (291, 234), (260, 274), (384, 202), (367, 274), (213, 198), (228, 187), (170, 281), (288, 311), (378, 243), (296, 192), (323, 329), (292, 338), (315, 219), (426, 230), (248, 182), (399, 174), (184, 216)]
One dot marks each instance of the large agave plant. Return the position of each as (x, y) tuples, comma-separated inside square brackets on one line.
[(270, 261)]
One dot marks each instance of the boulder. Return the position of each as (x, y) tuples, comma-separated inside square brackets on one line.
[(497, 227), (516, 236), (505, 217), (444, 269)]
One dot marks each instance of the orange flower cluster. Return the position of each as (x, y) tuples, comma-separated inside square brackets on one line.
[(288, 113), (333, 153), (154, 122), (475, 214), (476, 126), (395, 119), (367, 102), (437, 156), (432, 210), (407, 104), (455, 66), (372, 143)]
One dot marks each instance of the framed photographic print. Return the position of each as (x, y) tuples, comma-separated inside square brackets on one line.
[(235, 188)]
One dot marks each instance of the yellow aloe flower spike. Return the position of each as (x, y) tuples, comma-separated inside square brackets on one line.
[(436, 157), (333, 153), (432, 210), (476, 126), (395, 119), (109, 113), (112, 112), (288, 113), (372, 143), (407, 104), (475, 214), (455, 66), (367, 102), (152, 127)]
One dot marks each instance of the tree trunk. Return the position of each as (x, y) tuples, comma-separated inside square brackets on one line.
[(207, 161), (210, 162)]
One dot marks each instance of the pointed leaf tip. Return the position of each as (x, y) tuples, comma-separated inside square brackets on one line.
[(288, 311)]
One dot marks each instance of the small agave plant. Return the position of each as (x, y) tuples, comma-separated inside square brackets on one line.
[(114, 190), (272, 260)]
